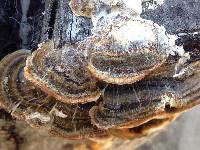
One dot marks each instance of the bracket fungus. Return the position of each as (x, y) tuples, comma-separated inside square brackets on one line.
[(119, 58), (147, 80), (153, 98), (27, 102), (61, 74)]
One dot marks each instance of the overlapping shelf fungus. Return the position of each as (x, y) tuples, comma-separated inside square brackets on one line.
[(127, 80)]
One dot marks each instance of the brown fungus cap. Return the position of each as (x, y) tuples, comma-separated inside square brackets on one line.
[(128, 106), (61, 74), (26, 102), (117, 57)]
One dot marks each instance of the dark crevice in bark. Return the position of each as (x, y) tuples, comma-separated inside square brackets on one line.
[(52, 19)]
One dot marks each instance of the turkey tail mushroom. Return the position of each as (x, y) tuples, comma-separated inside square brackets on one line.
[(122, 54), (19, 96), (27, 102), (61, 74), (129, 106), (73, 122), (14, 90)]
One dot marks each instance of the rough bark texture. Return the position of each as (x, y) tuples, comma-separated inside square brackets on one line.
[(53, 19)]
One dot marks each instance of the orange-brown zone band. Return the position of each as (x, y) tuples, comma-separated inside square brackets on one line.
[(9, 92), (146, 129), (149, 99), (93, 97), (24, 101), (116, 64), (55, 83), (77, 123), (122, 108)]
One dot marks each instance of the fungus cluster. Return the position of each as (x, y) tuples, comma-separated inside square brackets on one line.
[(118, 82)]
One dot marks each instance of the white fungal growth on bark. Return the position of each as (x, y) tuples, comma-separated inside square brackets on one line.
[(135, 5), (120, 20), (133, 30), (128, 28), (153, 4)]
